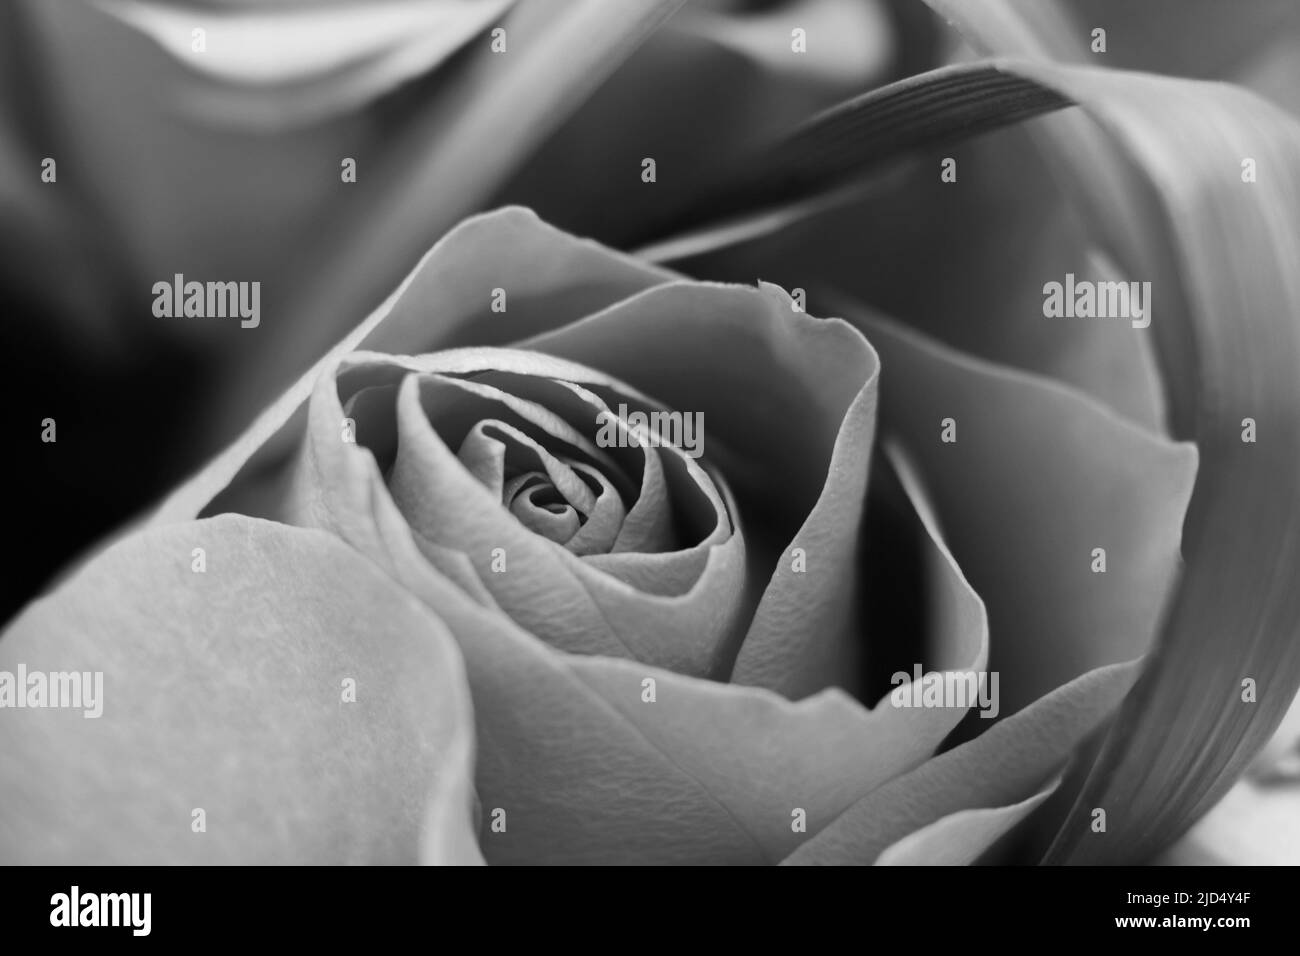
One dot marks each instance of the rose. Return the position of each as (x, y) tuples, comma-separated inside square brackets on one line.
[(668, 680)]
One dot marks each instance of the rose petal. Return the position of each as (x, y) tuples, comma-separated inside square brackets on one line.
[(222, 690), (566, 410), (1003, 765), (1039, 476), (907, 553), (959, 838)]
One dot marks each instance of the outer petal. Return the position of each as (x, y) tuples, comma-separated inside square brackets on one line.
[(223, 690), (1005, 764), (1038, 478), (959, 838)]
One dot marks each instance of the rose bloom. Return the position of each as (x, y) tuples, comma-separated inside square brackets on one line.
[(420, 566)]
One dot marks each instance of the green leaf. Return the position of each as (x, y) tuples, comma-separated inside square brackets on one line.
[(223, 690)]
